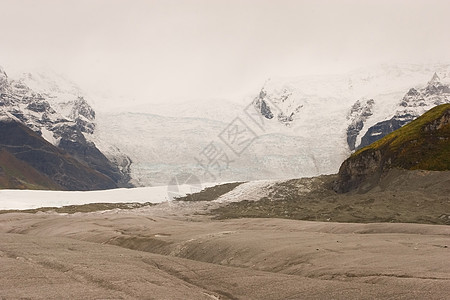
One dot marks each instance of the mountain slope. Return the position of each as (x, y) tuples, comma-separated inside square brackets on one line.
[(415, 102), (303, 126), (63, 170), (58, 111), (17, 174), (422, 144)]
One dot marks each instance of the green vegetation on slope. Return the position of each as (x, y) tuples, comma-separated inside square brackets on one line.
[(418, 145)]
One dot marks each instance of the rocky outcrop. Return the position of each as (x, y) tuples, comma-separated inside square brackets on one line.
[(422, 144), (381, 129), (262, 106), (361, 173), (281, 106), (85, 151), (439, 124)]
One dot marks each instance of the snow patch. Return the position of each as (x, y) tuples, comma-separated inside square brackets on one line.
[(27, 199), (251, 191), (30, 199), (48, 136)]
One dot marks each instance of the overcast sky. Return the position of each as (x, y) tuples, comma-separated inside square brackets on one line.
[(168, 50)]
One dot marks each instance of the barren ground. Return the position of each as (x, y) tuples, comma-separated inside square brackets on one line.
[(135, 254), (179, 250)]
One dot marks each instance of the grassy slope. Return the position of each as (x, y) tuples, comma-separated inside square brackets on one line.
[(414, 148)]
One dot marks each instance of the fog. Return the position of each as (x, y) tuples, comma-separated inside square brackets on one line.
[(166, 50)]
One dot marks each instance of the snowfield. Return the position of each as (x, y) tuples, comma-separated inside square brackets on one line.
[(27, 199)]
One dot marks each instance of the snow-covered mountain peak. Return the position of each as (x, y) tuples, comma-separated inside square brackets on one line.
[(82, 108), (280, 103), (49, 81), (3, 79), (56, 109), (414, 103), (56, 88), (47, 89), (434, 80), (2, 71)]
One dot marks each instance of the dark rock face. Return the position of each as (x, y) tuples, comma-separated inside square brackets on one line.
[(281, 107), (38, 106), (88, 153), (74, 143), (17, 174), (265, 110), (366, 169), (262, 106), (55, 163), (381, 129)]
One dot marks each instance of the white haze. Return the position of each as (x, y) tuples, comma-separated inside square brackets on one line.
[(165, 50)]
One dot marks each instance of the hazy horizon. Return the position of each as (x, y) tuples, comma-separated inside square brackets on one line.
[(163, 51)]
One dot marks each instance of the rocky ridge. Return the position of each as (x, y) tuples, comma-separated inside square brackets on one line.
[(61, 115)]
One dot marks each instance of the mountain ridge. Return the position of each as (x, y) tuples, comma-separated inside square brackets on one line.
[(57, 110), (422, 144), (413, 104), (39, 158), (303, 126), (16, 174)]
